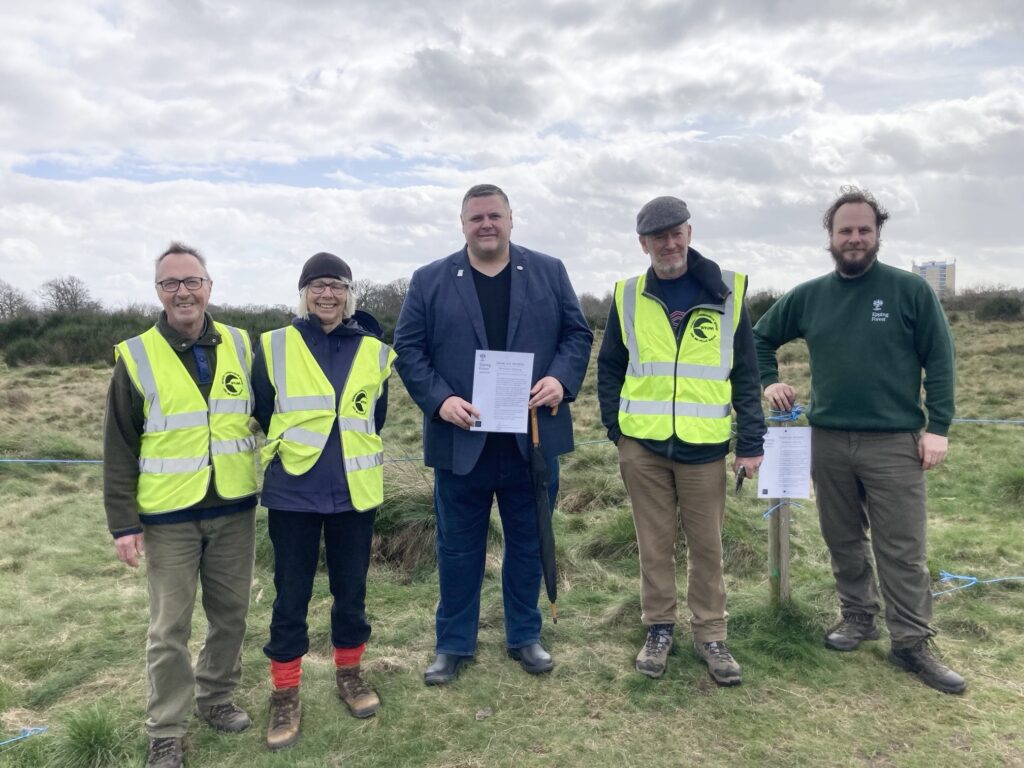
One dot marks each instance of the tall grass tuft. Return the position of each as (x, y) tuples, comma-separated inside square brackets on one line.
[(96, 737), (1011, 485), (613, 538)]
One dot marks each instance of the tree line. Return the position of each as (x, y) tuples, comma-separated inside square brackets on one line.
[(66, 325)]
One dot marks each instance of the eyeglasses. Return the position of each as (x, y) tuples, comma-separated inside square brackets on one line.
[(171, 285), (319, 286)]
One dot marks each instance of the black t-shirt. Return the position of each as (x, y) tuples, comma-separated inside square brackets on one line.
[(680, 295), (493, 294)]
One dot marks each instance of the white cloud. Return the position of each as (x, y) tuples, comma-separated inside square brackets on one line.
[(263, 132)]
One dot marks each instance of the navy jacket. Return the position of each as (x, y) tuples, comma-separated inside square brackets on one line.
[(441, 327), (323, 488)]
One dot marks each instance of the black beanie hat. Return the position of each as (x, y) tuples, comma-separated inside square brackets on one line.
[(324, 265)]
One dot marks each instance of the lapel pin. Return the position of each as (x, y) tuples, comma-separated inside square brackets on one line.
[(519, 267), (459, 273)]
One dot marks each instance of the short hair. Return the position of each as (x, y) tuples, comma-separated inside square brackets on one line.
[(848, 193), (485, 190), (178, 247), (302, 309)]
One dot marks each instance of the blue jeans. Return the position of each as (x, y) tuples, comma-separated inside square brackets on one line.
[(463, 508), (296, 538)]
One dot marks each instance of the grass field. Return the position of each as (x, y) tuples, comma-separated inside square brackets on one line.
[(73, 619)]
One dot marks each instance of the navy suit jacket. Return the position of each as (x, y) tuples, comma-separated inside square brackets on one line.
[(441, 327)]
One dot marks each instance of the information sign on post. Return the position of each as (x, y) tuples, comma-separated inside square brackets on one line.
[(785, 474)]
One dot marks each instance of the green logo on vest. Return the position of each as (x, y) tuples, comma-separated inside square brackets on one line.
[(232, 383), (359, 402), (704, 329)]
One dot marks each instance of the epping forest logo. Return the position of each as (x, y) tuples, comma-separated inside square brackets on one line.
[(704, 329)]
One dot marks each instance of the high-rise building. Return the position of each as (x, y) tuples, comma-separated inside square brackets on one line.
[(940, 275)]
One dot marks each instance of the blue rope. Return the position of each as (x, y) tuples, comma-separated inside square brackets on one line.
[(988, 421), (51, 461), (25, 733), (100, 461), (791, 503), (970, 581), (791, 415)]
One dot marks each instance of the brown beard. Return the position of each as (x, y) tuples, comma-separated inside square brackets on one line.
[(854, 270)]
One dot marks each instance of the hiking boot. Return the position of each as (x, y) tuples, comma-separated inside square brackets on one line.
[(722, 666), (285, 716), (225, 717), (361, 699), (164, 753), (853, 630), (918, 660), (653, 657)]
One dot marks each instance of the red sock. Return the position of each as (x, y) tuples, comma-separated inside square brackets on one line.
[(348, 657), (286, 674)]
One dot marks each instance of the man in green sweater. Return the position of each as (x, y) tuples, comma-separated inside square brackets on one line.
[(870, 330)]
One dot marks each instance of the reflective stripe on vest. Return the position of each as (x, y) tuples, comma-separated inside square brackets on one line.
[(183, 435), (677, 385), (304, 412)]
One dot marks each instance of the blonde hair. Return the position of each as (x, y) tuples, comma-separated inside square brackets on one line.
[(302, 310)]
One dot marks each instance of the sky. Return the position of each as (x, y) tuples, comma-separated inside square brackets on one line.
[(263, 132)]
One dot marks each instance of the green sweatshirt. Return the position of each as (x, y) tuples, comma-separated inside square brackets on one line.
[(869, 338)]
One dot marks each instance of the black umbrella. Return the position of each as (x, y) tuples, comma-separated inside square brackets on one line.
[(541, 480)]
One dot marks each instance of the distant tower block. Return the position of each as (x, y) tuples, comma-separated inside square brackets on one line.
[(940, 275)]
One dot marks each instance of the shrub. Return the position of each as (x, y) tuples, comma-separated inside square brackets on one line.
[(1001, 308), (22, 352), (760, 302)]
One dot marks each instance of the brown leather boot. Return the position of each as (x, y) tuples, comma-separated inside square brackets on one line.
[(361, 699), (285, 717)]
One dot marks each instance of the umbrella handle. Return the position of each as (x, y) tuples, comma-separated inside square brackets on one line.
[(534, 429)]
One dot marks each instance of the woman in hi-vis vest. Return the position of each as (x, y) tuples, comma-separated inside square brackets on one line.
[(321, 398)]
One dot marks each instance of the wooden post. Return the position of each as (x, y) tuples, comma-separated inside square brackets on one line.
[(778, 552)]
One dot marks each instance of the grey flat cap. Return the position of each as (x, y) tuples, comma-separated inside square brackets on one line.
[(661, 213)]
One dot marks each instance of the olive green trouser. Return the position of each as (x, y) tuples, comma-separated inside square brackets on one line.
[(218, 553), (659, 489), (874, 480)]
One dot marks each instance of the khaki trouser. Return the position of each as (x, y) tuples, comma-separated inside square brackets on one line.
[(658, 488), (219, 554), (874, 480)]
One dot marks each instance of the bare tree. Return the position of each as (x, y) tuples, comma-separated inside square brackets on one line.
[(12, 301), (382, 299), (66, 294)]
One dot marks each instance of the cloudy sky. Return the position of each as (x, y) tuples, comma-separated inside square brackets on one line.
[(262, 132)]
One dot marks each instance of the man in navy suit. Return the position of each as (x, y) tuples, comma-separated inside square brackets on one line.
[(494, 295)]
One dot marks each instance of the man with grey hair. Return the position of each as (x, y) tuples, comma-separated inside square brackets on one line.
[(180, 486), (677, 359), (871, 329)]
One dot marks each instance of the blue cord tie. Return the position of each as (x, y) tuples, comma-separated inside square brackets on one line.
[(948, 577), (791, 503), (25, 733), (791, 415)]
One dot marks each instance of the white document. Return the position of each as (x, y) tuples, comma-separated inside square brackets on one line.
[(501, 390), (785, 472)]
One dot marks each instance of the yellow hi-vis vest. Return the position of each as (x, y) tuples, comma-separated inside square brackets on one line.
[(304, 411), (678, 387), (184, 433)]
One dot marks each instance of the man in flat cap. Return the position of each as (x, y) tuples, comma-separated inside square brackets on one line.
[(676, 360)]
